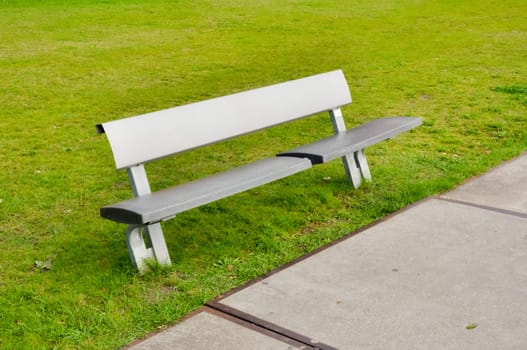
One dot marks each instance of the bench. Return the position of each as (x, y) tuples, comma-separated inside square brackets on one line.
[(137, 140)]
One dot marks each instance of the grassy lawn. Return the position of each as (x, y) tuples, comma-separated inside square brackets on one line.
[(65, 277)]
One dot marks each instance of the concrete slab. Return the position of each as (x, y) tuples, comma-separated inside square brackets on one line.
[(415, 281), (503, 187), (205, 331)]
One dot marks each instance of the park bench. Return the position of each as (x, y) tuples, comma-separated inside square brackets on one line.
[(137, 140)]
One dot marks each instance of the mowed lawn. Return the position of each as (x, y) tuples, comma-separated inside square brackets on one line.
[(65, 278)]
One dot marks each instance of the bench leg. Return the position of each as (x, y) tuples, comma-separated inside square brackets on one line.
[(134, 234), (138, 250), (362, 162), (356, 167), (159, 246), (355, 164), (352, 170), (136, 246)]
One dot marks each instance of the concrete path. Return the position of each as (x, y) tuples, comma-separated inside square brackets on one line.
[(449, 272)]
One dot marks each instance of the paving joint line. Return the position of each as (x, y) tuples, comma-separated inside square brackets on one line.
[(485, 207)]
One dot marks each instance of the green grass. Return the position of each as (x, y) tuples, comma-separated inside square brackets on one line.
[(65, 278)]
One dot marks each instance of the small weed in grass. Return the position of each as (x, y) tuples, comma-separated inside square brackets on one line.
[(517, 91), (513, 90)]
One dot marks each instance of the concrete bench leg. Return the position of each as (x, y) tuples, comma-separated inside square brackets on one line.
[(137, 247), (157, 241), (362, 163), (355, 165), (352, 170), (134, 234)]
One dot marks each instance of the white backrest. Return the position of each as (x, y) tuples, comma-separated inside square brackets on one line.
[(151, 136)]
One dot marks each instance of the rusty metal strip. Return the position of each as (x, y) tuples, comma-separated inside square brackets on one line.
[(281, 331), (257, 328)]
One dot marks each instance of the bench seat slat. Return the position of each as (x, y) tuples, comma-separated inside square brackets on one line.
[(354, 139), (166, 203)]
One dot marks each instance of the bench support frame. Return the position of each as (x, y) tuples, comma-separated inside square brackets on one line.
[(356, 164), (138, 248), (148, 242), (228, 117)]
